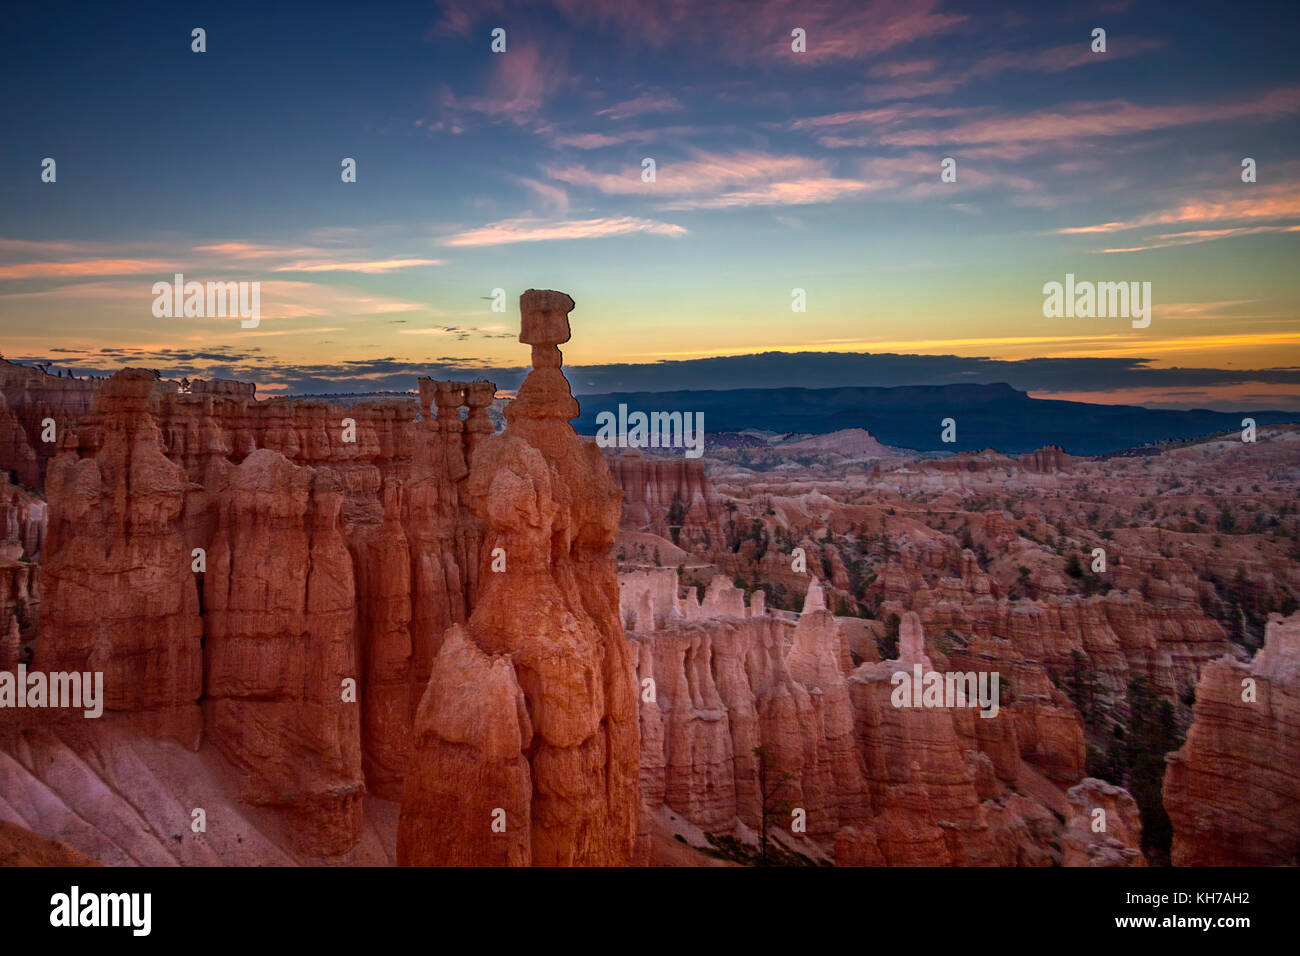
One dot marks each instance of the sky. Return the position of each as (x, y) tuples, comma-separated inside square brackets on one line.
[(775, 170)]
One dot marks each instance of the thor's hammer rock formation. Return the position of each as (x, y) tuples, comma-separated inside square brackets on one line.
[(525, 745)]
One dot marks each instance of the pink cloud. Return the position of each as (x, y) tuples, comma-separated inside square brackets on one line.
[(520, 83), (552, 197), (798, 192), (745, 178), (1276, 202), (373, 267), (539, 230), (754, 29), (903, 68), (43, 247), (647, 103), (1196, 236), (1088, 120), (254, 251), (704, 174), (1058, 59), (618, 138), (599, 140)]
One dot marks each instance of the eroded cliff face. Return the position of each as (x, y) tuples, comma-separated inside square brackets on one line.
[(879, 784), (119, 595), (1232, 791), (275, 581), (669, 497), (279, 595), (35, 408), (22, 536), (551, 743)]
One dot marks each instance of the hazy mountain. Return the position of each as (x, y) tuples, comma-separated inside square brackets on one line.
[(987, 416)]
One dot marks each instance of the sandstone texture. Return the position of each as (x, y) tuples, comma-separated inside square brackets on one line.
[(1233, 790), (544, 715)]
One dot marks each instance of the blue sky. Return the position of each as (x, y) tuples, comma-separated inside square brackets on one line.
[(775, 170)]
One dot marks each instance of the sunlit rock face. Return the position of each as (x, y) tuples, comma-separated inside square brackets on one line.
[(271, 580), (541, 767)]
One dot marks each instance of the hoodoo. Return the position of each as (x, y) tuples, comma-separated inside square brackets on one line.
[(525, 743)]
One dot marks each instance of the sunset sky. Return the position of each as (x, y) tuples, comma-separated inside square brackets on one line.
[(775, 170)]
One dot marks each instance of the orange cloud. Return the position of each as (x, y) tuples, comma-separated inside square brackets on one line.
[(87, 267)]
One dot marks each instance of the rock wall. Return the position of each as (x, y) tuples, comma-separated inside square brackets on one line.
[(278, 579), (660, 493), (279, 596), (119, 595), (1232, 791), (29, 396)]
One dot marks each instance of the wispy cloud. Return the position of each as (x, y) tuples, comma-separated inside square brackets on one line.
[(917, 78), (1098, 119), (519, 85), (618, 137), (85, 267), (721, 180), (460, 333), (1201, 235), (375, 267), (540, 230), (279, 299), (551, 196), (1260, 202), (646, 103), (227, 255), (1017, 136), (755, 30)]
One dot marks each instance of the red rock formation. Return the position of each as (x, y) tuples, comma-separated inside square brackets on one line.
[(670, 497), (539, 711), (22, 522), (119, 595), (381, 557), (22, 535), (280, 609), (19, 604), (1232, 791), (723, 684), (1109, 838), (30, 396), (17, 458), (919, 777), (320, 559), (20, 847), (1047, 460)]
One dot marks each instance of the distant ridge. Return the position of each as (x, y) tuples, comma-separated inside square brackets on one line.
[(909, 416)]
